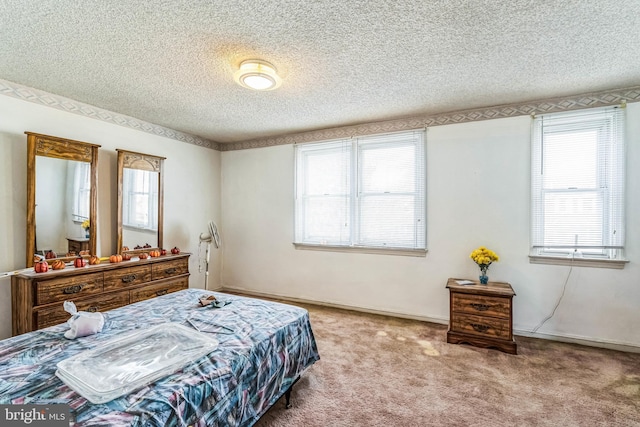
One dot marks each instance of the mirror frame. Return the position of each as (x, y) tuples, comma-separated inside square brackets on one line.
[(133, 160), (65, 149)]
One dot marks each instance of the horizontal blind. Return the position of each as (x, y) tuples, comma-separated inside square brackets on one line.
[(323, 182), (578, 180), (81, 173), (391, 191), (362, 192), (140, 198)]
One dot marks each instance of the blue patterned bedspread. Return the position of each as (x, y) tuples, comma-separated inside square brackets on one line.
[(264, 347)]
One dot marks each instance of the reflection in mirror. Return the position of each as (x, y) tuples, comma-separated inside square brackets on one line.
[(61, 197), (139, 208), (62, 206), (140, 198)]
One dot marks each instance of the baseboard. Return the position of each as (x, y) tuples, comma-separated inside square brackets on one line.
[(442, 321), (572, 339), (611, 345)]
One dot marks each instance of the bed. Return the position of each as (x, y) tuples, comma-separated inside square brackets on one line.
[(264, 347)]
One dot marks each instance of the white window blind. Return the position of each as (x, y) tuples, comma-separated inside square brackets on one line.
[(81, 190), (362, 192), (578, 184), (141, 199)]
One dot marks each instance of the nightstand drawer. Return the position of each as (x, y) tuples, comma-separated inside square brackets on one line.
[(482, 326), (481, 305)]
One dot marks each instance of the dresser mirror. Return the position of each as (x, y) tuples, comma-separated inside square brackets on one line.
[(61, 197), (140, 201)]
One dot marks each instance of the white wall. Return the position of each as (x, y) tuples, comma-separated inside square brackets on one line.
[(477, 194), (192, 186)]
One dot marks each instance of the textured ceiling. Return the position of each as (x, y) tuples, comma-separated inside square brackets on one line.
[(170, 62)]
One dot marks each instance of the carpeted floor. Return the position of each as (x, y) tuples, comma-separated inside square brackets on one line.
[(382, 371)]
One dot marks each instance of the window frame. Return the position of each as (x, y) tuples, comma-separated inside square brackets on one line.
[(609, 123), (355, 146)]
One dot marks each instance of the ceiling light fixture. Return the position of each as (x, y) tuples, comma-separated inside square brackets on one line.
[(257, 75)]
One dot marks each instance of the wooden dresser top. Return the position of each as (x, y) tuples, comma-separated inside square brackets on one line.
[(493, 288)]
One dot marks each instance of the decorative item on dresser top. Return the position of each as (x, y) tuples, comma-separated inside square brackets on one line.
[(481, 315), (36, 298), (484, 258)]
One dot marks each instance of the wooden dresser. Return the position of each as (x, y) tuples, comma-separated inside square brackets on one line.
[(481, 315), (36, 298)]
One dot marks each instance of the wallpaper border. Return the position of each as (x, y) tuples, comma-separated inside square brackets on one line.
[(47, 99), (564, 103)]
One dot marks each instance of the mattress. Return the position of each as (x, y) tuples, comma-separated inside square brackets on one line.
[(261, 348)]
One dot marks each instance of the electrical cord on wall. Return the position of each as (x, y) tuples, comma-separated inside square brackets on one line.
[(564, 288)]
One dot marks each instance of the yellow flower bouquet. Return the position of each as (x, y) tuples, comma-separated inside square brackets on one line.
[(484, 257), (85, 224)]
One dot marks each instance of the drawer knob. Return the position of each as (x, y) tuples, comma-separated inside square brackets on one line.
[(480, 307), (92, 309), (73, 289), (162, 292), (129, 278), (171, 270), (479, 327)]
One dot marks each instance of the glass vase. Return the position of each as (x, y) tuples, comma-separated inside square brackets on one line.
[(484, 279)]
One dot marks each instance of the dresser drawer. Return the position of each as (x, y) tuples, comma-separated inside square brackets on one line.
[(482, 326), (162, 270), (481, 305), (67, 288), (158, 289), (55, 315), (125, 277)]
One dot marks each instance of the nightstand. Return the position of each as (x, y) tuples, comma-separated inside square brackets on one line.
[(481, 315), (77, 244)]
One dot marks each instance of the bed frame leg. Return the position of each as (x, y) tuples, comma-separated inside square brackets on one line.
[(287, 394)]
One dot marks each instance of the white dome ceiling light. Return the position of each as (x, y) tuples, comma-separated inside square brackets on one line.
[(257, 75)]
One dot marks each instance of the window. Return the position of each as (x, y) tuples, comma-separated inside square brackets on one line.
[(366, 192), (577, 178), (81, 190), (141, 199)]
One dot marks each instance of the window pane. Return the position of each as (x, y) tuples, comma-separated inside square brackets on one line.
[(140, 187), (82, 189), (326, 220), (327, 172), (388, 220), (573, 218), (388, 168), (140, 213), (570, 160)]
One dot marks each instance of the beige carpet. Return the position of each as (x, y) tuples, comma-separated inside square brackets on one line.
[(381, 371)]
